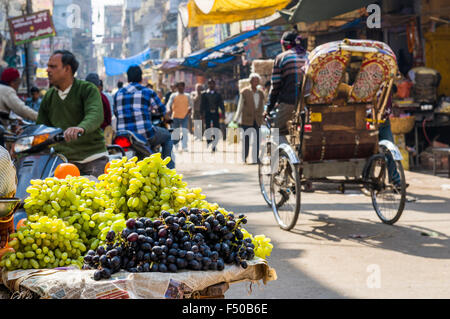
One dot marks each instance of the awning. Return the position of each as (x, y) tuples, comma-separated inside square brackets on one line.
[(320, 10), (169, 64), (203, 12), (226, 48), (119, 66)]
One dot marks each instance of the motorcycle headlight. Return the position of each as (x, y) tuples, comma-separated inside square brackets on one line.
[(26, 143), (23, 144)]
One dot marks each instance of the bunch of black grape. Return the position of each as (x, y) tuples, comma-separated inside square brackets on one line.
[(194, 239)]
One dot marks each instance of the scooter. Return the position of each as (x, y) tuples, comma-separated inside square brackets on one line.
[(35, 158)]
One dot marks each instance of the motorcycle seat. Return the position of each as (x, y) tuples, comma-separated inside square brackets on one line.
[(137, 138)]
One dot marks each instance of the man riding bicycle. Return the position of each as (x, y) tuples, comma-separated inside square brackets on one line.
[(287, 76)]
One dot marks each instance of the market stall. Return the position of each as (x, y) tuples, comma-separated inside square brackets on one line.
[(137, 232), (421, 118)]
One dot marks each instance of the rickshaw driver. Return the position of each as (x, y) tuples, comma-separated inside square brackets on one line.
[(385, 133), (287, 76)]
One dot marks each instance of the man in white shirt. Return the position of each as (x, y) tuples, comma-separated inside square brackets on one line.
[(9, 101), (249, 113)]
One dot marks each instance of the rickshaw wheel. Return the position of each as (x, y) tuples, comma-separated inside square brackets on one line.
[(387, 199), (265, 171), (285, 190)]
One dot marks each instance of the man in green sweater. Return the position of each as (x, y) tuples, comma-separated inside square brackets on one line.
[(76, 107)]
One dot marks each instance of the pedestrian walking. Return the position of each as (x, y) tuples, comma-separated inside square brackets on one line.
[(173, 89), (249, 114), (211, 103), (196, 114), (180, 107)]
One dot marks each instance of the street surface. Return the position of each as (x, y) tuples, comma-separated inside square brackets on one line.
[(339, 248)]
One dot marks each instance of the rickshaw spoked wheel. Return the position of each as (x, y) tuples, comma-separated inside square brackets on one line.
[(388, 199), (285, 190)]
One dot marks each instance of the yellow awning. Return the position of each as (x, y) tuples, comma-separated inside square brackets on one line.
[(203, 12)]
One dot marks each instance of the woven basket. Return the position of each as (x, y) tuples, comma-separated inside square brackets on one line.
[(402, 125), (6, 229)]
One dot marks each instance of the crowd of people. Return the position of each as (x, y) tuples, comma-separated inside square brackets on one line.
[(83, 110)]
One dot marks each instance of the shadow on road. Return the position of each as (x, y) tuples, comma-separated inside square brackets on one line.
[(291, 283), (407, 239)]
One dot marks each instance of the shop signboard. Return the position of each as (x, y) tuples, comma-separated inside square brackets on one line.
[(31, 27), (209, 35), (248, 25), (253, 49)]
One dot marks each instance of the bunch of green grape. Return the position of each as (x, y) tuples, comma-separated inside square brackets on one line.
[(263, 246), (145, 188), (77, 201), (46, 243)]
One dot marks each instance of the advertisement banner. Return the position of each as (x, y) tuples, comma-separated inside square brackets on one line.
[(209, 35), (28, 28)]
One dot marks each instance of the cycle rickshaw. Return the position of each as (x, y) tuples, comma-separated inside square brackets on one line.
[(333, 137)]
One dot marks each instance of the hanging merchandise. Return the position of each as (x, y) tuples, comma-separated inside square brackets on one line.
[(414, 43), (410, 32)]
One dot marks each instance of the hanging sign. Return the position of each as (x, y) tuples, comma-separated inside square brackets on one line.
[(31, 27)]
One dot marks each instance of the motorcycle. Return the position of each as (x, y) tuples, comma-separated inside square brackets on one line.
[(34, 157), (134, 144)]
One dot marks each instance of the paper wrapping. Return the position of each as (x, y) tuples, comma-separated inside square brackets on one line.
[(79, 284)]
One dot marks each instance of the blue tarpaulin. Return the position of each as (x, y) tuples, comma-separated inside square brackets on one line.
[(119, 66), (196, 58)]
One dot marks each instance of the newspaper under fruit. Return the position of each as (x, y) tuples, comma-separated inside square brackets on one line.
[(79, 284)]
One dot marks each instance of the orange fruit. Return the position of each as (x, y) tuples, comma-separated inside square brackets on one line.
[(6, 250), (64, 169), (21, 223), (107, 166)]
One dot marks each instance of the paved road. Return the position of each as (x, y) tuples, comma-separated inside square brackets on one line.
[(319, 258)]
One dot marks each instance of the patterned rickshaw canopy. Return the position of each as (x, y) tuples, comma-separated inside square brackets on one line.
[(327, 65)]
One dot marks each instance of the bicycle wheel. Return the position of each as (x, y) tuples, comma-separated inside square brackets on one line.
[(388, 200), (264, 171), (285, 189)]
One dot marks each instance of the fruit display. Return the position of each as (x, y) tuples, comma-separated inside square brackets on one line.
[(140, 216), (194, 239), (144, 188), (263, 247), (78, 202), (47, 243)]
